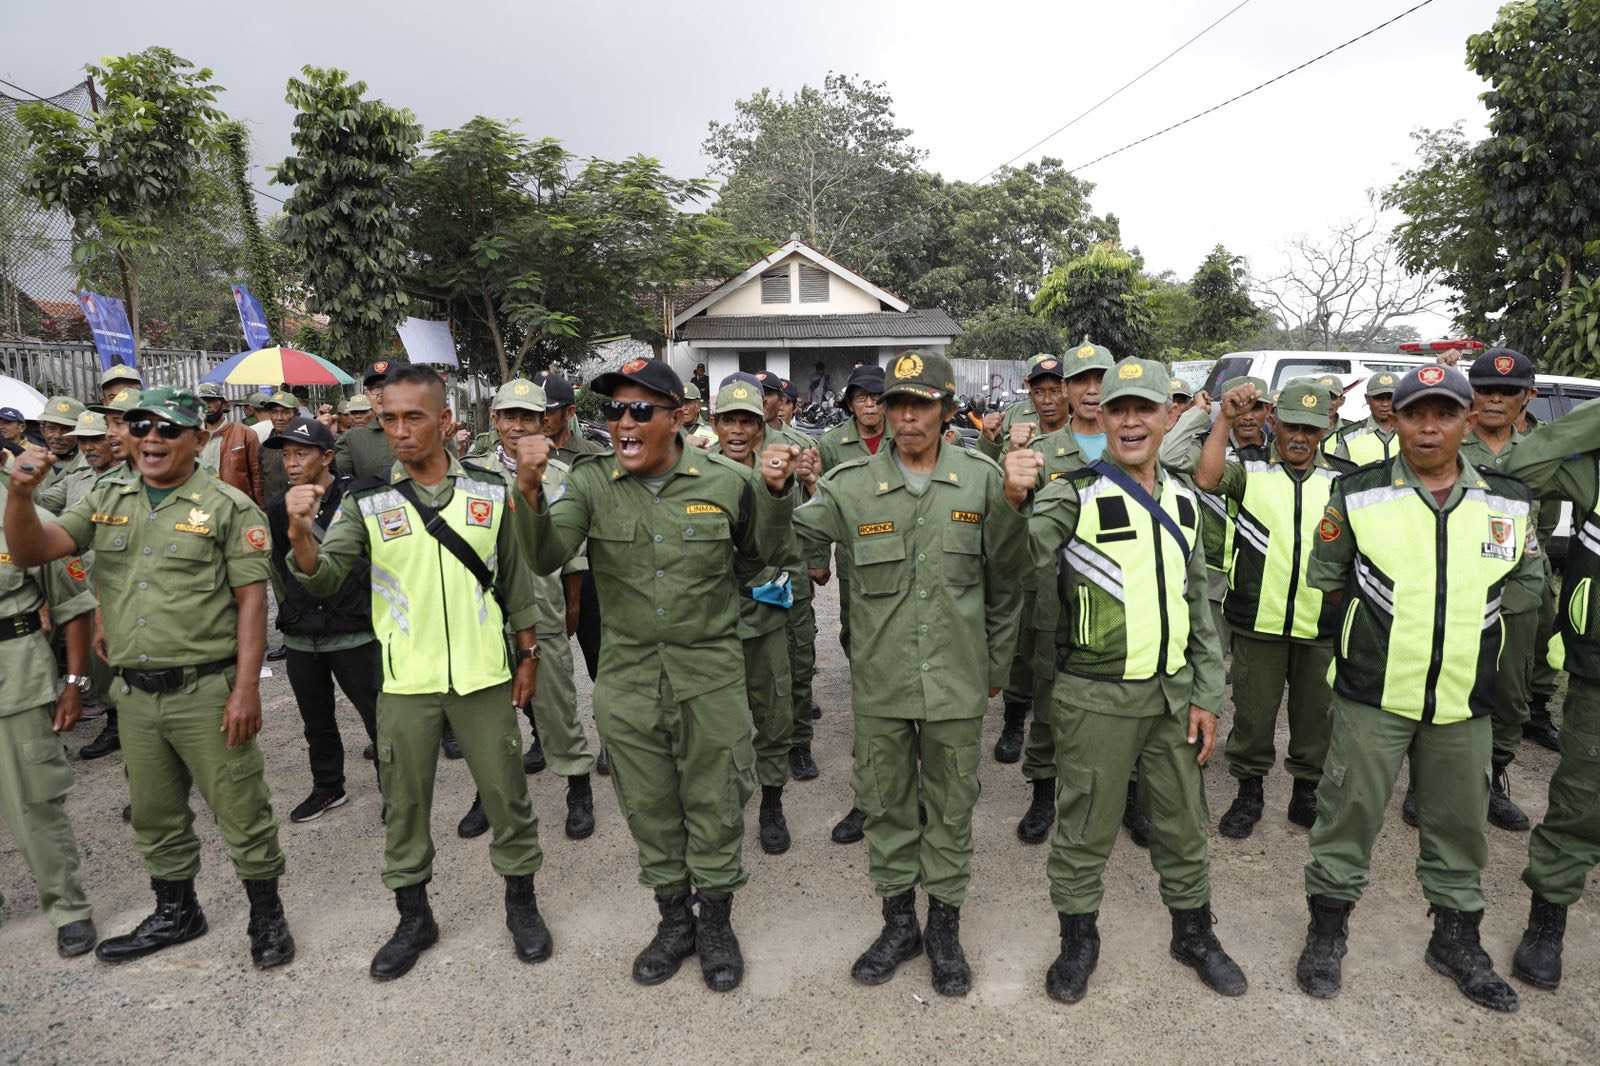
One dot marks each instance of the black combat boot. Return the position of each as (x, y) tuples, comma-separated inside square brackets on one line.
[(176, 920), (1041, 813), (528, 931), (1454, 951), (270, 941), (951, 974), (76, 938), (673, 942), (580, 807), (449, 744), (107, 742), (1408, 808), (1503, 813), (802, 765), (1134, 820), (1303, 804), (774, 828), (1538, 957), (1318, 970), (851, 828), (416, 933), (1068, 977), (533, 760), (721, 961), (1008, 748), (899, 941), (1539, 728), (1196, 946), (1245, 810), (475, 822), (602, 762)]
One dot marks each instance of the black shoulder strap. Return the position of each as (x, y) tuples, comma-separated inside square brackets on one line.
[(1145, 500), (451, 541)]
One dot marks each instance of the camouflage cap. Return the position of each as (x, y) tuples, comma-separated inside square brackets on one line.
[(1304, 402), (519, 394), (1142, 378), (120, 404), (1087, 356), (738, 396), (121, 372), (90, 424), (170, 404), (62, 411), (281, 399), (920, 374), (1382, 383)]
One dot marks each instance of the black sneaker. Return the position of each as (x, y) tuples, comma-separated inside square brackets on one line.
[(320, 802), (450, 745)]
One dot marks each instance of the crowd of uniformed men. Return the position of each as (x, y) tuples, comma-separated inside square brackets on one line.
[(1109, 556)]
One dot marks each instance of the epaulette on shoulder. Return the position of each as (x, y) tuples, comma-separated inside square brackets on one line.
[(1254, 453), (1081, 474), (978, 457), (717, 459), (1502, 481), (1339, 464), (362, 485), (1370, 474), (587, 457), (849, 464), (234, 496)]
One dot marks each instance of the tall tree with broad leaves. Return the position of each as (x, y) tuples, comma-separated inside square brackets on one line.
[(257, 250), (1101, 295), (126, 173), (1224, 314), (342, 222), (1005, 333)]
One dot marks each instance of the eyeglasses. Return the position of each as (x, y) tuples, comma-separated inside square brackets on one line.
[(638, 410), (166, 430)]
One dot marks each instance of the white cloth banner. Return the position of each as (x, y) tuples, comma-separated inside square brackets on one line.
[(428, 341)]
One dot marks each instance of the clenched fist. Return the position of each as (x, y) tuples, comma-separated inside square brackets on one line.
[(808, 469), (1023, 467), (303, 502), (29, 470), (991, 424), (777, 464), (533, 458), (1239, 401), (1022, 433)]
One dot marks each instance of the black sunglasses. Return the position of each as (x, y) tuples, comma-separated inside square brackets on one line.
[(166, 430), (639, 410)]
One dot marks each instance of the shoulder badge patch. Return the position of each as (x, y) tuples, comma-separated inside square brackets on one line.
[(75, 569), (970, 517), (1331, 526), (256, 538), (872, 529)]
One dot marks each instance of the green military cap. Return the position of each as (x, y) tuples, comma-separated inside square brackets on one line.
[(1089, 356), (691, 391), (1382, 383), (121, 372), (120, 404), (172, 404), (90, 424), (358, 405), (1304, 402), (207, 391), (1179, 387), (282, 398), (920, 374), (739, 396), (62, 411), (519, 394), (1144, 378), (1263, 393), (1332, 383)]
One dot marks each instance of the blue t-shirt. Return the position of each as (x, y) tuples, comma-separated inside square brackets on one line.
[(1092, 445)]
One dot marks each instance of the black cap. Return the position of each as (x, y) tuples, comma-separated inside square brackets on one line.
[(378, 371), (740, 375), (868, 378), (652, 374), (1502, 366), (1044, 365), (302, 431), (1443, 381), (790, 391), (770, 382), (557, 391)]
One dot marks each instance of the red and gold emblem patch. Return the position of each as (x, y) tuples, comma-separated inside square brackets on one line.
[(381, 367), (1504, 364), (1431, 375), (1331, 525), (77, 571), (256, 537), (633, 366), (479, 512)]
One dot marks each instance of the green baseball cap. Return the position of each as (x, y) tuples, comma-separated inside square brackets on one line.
[(921, 374), (90, 424), (691, 391), (121, 372), (1262, 391), (1382, 383), (518, 394), (1089, 356), (62, 411), (171, 404), (1303, 402), (120, 404), (1179, 387), (358, 404), (282, 398), (207, 391), (1144, 378), (739, 396)]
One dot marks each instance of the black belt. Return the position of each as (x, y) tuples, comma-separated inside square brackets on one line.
[(171, 679), (20, 625)]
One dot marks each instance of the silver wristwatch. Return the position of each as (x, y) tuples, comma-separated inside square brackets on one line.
[(79, 681)]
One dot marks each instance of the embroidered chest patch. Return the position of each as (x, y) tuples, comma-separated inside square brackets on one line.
[(972, 518), (1502, 539), (479, 512), (872, 529), (394, 523)]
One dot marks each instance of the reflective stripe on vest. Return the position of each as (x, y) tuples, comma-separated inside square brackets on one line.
[(440, 632), (1422, 634), (1367, 446), (1579, 614), (1119, 565), (1277, 524)]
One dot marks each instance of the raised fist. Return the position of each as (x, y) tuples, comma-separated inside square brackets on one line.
[(1022, 467), (991, 424), (1239, 401), (302, 502), (29, 470), (533, 458), (1022, 433), (809, 468), (778, 462)]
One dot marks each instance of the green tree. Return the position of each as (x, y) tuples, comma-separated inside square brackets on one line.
[(1104, 296), (257, 250), (24, 235), (1224, 313), (342, 222), (1005, 333), (129, 171)]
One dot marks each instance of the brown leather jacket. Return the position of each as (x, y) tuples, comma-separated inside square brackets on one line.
[(239, 463)]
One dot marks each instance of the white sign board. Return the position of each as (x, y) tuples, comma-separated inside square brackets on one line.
[(427, 341)]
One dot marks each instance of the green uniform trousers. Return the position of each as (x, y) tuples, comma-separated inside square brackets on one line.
[(485, 725), (1450, 769), (1261, 669), (766, 681), (1513, 682), (1019, 688), (1565, 847), (842, 576), (173, 741), (898, 762), (555, 709), (34, 782), (1039, 756), (1095, 754), (1545, 676), (802, 634), (1216, 589), (683, 772)]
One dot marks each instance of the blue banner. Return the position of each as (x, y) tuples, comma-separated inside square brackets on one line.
[(253, 318), (108, 322)]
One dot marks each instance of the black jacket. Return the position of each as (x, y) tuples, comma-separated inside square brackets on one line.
[(347, 611)]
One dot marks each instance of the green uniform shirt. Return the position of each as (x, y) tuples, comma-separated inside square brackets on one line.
[(664, 563), (840, 444), (1053, 520), (66, 485), (165, 575), (27, 664), (361, 453), (550, 612), (935, 580), (1385, 442), (1524, 591), (577, 445)]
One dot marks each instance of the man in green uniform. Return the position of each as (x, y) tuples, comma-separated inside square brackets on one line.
[(558, 737), (1419, 549), (1140, 677), (360, 410), (666, 524), (117, 380), (936, 553), (1282, 627), (56, 423), (95, 445), (34, 775), (364, 452), (448, 576), (696, 429), (281, 408), (1372, 440), (181, 570)]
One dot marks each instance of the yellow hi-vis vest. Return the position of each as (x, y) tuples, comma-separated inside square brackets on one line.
[(440, 631), (1368, 445), (1579, 615), (1422, 634), (1121, 578), (1274, 531)]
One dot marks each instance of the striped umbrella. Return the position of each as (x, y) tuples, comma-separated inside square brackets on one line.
[(273, 366)]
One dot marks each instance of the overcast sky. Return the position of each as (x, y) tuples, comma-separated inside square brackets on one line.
[(977, 82)]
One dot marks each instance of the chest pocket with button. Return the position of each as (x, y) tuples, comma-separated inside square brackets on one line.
[(880, 565), (189, 563), (704, 534), (611, 537), (963, 554), (111, 558)]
